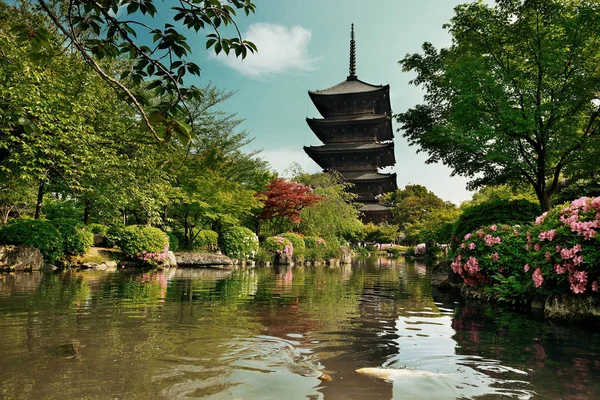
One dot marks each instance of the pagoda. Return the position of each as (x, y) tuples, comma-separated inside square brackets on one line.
[(357, 137)]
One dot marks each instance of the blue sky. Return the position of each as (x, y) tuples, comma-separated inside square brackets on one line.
[(304, 45)]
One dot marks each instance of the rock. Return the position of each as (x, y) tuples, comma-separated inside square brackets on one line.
[(169, 262), (20, 258), (99, 240), (202, 259), (346, 255), (111, 266), (573, 308), (442, 276)]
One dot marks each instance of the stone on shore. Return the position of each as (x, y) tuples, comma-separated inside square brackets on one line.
[(19, 258), (203, 259)]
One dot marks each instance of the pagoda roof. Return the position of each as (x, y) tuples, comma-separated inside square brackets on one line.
[(349, 147), (375, 208), (321, 127), (367, 176), (350, 86)]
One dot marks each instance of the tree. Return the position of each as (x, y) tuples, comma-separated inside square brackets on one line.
[(284, 202), (110, 29), (336, 215), (515, 97), (413, 204)]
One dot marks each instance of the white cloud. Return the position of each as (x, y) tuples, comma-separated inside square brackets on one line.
[(280, 50)]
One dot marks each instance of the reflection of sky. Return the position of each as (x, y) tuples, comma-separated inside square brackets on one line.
[(425, 342)]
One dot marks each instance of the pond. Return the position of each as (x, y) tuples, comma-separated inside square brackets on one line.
[(273, 333)]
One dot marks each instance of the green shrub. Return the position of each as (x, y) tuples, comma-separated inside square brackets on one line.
[(277, 245), (298, 244), (76, 238), (238, 242), (499, 212), (564, 248), (144, 243), (36, 233), (315, 248), (333, 249), (263, 256), (57, 209), (361, 251), (493, 258), (97, 229), (206, 239), (114, 234), (173, 241)]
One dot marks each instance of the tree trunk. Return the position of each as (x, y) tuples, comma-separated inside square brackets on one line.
[(87, 210), (40, 200), (545, 201)]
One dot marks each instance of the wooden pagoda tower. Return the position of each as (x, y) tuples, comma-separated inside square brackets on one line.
[(357, 137)]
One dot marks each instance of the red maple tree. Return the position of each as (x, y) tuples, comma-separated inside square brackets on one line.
[(284, 202)]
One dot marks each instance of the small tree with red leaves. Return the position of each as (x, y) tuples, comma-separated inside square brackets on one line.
[(284, 202)]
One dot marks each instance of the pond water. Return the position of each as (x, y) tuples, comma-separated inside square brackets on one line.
[(272, 333)]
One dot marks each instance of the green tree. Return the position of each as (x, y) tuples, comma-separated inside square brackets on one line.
[(337, 215), (515, 97), (159, 55), (413, 204)]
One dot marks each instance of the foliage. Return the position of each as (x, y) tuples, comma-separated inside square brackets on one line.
[(437, 227), (158, 59), (114, 234), (298, 244), (514, 99), (489, 194), (333, 249), (98, 229), (494, 256), (206, 239), (144, 243), (238, 242), (278, 245), (380, 233), (58, 209), (263, 256), (337, 215), (510, 212), (395, 250), (413, 204), (284, 202), (564, 247), (76, 238), (173, 241), (36, 233)]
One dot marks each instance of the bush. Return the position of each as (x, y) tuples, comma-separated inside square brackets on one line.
[(279, 245), (206, 239), (564, 248), (396, 250), (36, 233), (76, 239), (144, 243), (298, 244), (173, 241), (238, 242), (332, 249), (315, 248), (114, 235), (494, 256), (499, 212), (263, 256), (97, 229)]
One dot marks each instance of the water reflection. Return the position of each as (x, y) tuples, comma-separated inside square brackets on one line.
[(272, 333)]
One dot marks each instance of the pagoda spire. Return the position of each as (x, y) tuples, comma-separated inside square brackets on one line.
[(352, 75)]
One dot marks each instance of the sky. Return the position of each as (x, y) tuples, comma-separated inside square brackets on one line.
[(304, 45)]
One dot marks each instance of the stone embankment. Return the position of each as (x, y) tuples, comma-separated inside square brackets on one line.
[(20, 258), (566, 308), (203, 259)]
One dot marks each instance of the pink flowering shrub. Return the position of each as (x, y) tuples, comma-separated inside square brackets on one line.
[(280, 247), (493, 257), (564, 247)]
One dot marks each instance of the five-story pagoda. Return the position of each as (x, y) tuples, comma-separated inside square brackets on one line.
[(357, 137)]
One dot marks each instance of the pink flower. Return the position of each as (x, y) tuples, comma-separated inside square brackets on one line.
[(537, 247), (559, 269), (578, 280), (547, 256), (472, 265), (493, 227), (537, 277), (463, 246), (541, 218), (548, 235), (468, 236), (495, 256), (595, 283), (526, 267), (472, 246)]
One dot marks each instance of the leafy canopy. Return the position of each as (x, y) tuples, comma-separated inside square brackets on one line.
[(515, 97)]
